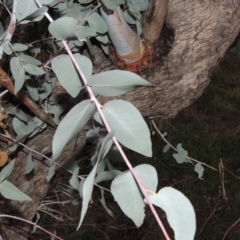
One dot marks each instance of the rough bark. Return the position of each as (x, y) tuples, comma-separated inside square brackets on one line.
[(203, 31)]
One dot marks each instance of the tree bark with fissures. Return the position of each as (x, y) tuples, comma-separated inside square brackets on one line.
[(196, 36)]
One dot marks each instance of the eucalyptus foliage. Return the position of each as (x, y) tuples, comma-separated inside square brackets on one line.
[(75, 24)]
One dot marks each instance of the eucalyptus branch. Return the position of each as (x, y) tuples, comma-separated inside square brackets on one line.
[(168, 143), (99, 108), (32, 223)]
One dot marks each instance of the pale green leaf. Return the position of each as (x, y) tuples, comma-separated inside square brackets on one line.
[(6, 171), (127, 194), (128, 125), (34, 70), (199, 169), (106, 175), (103, 202), (25, 8), (70, 126), (29, 60), (36, 15), (112, 4), (103, 38), (140, 5), (7, 47), (74, 182), (83, 32), (166, 148), (115, 82), (179, 211), (88, 184), (19, 127), (9, 191), (18, 73), (64, 28), (96, 22), (51, 172), (19, 47), (32, 89), (29, 163)]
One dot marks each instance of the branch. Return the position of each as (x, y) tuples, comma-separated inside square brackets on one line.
[(6, 82)]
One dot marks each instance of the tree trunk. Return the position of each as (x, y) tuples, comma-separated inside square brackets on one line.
[(196, 36)]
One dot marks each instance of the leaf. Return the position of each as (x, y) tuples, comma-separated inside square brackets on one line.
[(66, 73), (9, 191), (18, 73), (103, 202), (179, 211), (19, 127), (64, 28), (34, 70), (199, 169), (25, 8), (18, 47), (96, 22), (6, 171), (107, 175), (51, 172), (87, 187), (36, 15), (166, 148), (37, 219), (140, 5), (127, 194), (70, 126), (115, 82), (29, 163), (128, 125), (112, 4), (102, 38), (32, 89), (26, 59), (74, 182), (6, 45), (20, 114)]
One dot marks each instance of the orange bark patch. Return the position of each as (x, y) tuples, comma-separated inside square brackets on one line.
[(136, 67), (3, 158)]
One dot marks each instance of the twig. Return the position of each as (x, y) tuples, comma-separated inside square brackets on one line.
[(189, 158), (230, 228), (99, 108), (32, 223), (23, 97)]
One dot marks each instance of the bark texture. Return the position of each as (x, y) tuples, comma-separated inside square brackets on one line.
[(203, 31)]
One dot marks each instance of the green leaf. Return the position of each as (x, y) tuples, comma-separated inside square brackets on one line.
[(18, 73), (36, 221), (127, 194), (29, 163), (96, 22), (36, 15), (112, 4), (128, 125), (51, 172), (115, 82), (29, 60), (103, 38), (199, 169), (166, 148), (74, 182), (140, 5), (87, 188), (34, 70), (32, 89), (179, 211), (18, 47), (67, 75), (7, 47), (25, 8), (9, 191), (64, 28), (70, 126), (19, 127), (6, 171), (83, 32), (106, 175), (16, 112), (103, 202)]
